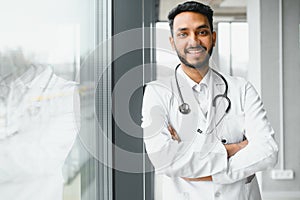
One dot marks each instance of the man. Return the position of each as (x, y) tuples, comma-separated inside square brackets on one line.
[(206, 133)]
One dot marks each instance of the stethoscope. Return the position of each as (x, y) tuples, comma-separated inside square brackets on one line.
[(184, 108)]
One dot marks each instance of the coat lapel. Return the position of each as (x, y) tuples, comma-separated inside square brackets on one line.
[(216, 113)]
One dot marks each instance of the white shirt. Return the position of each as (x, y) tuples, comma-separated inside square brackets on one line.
[(201, 90)]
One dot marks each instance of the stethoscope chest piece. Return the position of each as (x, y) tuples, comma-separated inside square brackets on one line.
[(184, 108)]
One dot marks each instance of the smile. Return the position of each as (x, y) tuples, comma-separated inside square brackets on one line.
[(195, 50)]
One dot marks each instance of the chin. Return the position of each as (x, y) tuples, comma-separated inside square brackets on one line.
[(198, 64), (201, 66)]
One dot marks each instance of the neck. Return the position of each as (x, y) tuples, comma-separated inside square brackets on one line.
[(194, 73)]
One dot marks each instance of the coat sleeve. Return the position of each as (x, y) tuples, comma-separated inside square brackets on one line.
[(41, 148), (177, 159), (261, 151)]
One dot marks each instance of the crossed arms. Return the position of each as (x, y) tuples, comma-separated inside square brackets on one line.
[(230, 148), (205, 156)]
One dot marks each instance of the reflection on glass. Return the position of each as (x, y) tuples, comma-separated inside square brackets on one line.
[(58, 36), (39, 121)]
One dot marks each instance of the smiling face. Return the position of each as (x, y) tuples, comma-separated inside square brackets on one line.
[(193, 39)]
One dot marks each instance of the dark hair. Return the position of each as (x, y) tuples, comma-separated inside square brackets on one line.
[(191, 6)]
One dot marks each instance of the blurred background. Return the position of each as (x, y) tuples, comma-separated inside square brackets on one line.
[(257, 39)]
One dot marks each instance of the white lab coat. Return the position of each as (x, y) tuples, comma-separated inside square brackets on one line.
[(202, 154), (31, 160)]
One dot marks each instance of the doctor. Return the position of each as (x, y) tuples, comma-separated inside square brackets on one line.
[(206, 133), (39, 122)]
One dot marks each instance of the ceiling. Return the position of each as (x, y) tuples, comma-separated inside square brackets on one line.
[(224, 10)]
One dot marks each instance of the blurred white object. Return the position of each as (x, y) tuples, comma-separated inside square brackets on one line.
[(42, 120), (15, 100)]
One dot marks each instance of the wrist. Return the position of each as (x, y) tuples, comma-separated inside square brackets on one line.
[(206, 178), (239, 146), (242, 144), (232, 149)]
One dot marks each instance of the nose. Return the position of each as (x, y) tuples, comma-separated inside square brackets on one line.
[(194, 40)]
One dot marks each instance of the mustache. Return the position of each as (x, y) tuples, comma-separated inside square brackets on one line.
[(195, 48)]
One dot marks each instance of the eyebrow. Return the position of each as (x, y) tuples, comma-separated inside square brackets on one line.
[(199, 27)]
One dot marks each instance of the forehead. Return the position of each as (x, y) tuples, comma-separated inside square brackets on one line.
[(189, 20)]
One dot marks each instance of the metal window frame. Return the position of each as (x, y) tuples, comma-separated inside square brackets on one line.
[(127, 15)]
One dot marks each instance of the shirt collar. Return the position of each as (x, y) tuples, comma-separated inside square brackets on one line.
[(205, 82)]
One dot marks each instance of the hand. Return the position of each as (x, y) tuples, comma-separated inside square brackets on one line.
[(173, 133), (205, 178), (235, 147)]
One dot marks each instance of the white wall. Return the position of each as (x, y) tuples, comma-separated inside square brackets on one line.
[(264, 36)]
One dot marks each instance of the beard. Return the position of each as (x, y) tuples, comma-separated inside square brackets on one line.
[(199, 64)]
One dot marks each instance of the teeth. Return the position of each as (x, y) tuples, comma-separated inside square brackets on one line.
[(193, 51)]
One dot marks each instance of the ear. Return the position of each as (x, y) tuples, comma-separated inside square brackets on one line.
[(214, 38), (171, 39)]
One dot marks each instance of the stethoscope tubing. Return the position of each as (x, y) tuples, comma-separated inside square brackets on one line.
[(184, 108)]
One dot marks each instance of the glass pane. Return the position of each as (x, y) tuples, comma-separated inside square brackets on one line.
[(47, 149)]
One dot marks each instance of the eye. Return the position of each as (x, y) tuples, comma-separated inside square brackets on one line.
[(182, 35), (203, 32)]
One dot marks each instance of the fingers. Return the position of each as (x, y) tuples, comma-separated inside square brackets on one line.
[(170, 128), (206, 178), (235, 147), (173, 133)]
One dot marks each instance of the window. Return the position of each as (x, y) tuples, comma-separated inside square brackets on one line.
[(71, 37)]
